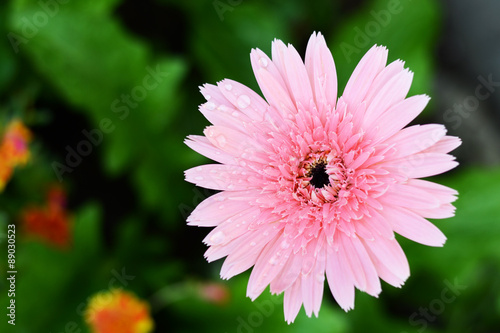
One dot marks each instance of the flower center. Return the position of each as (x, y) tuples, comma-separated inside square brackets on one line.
[(319, 177)]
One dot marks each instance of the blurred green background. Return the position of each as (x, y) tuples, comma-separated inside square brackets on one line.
[(68, 66)]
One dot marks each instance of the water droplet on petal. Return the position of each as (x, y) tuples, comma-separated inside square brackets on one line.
[(221, 140), (273, 261), (285, 244), (263, 62), (243, 101), (243, 163), (235, 114), (217, 238), (221, 207), (266, 233), (210, 106), (252, 244), (320, 277), (198, 178), (228, 86)]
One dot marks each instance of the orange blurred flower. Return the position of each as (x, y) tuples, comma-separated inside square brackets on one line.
[(51, 222), (118, 311), (13, 150)]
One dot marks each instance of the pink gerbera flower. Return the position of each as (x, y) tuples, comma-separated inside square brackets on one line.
[(312, 185)]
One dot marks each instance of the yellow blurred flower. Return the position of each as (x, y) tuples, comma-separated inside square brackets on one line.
[(118, 311), (13, 150)]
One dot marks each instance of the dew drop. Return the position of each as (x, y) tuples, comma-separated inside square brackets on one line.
[(285, 245), (243, 163), (217, 238), (228, 86), (266, 233), (235, 114), (320, 277), (243, 101), (273, 261), (221, 140), (210, 106), (207, 96), (221, 207), (252, 244), (263, 62), (198, 178)]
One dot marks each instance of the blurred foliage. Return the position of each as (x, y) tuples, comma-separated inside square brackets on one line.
[(65, 67)]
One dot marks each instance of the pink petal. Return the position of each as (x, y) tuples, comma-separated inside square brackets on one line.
[(406, 195), (244, 99), (442, 212), (245, 255), (390, 254), (378, 225), (445, 145), (442, 193), (222, 177), (275, 94), (297, 78), (235, 143), (232, 228), (424, 164), (260, 61), (322, 73), (203, 146), (292, 301), (385, 274), (388, 73), (393, 92), (340, 277), (288, 275), (414, 227), (372, 63), (400, 115), (364, 273), (278, 50), (215, 209), (415, 139), (313, 284), (268, 266)]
